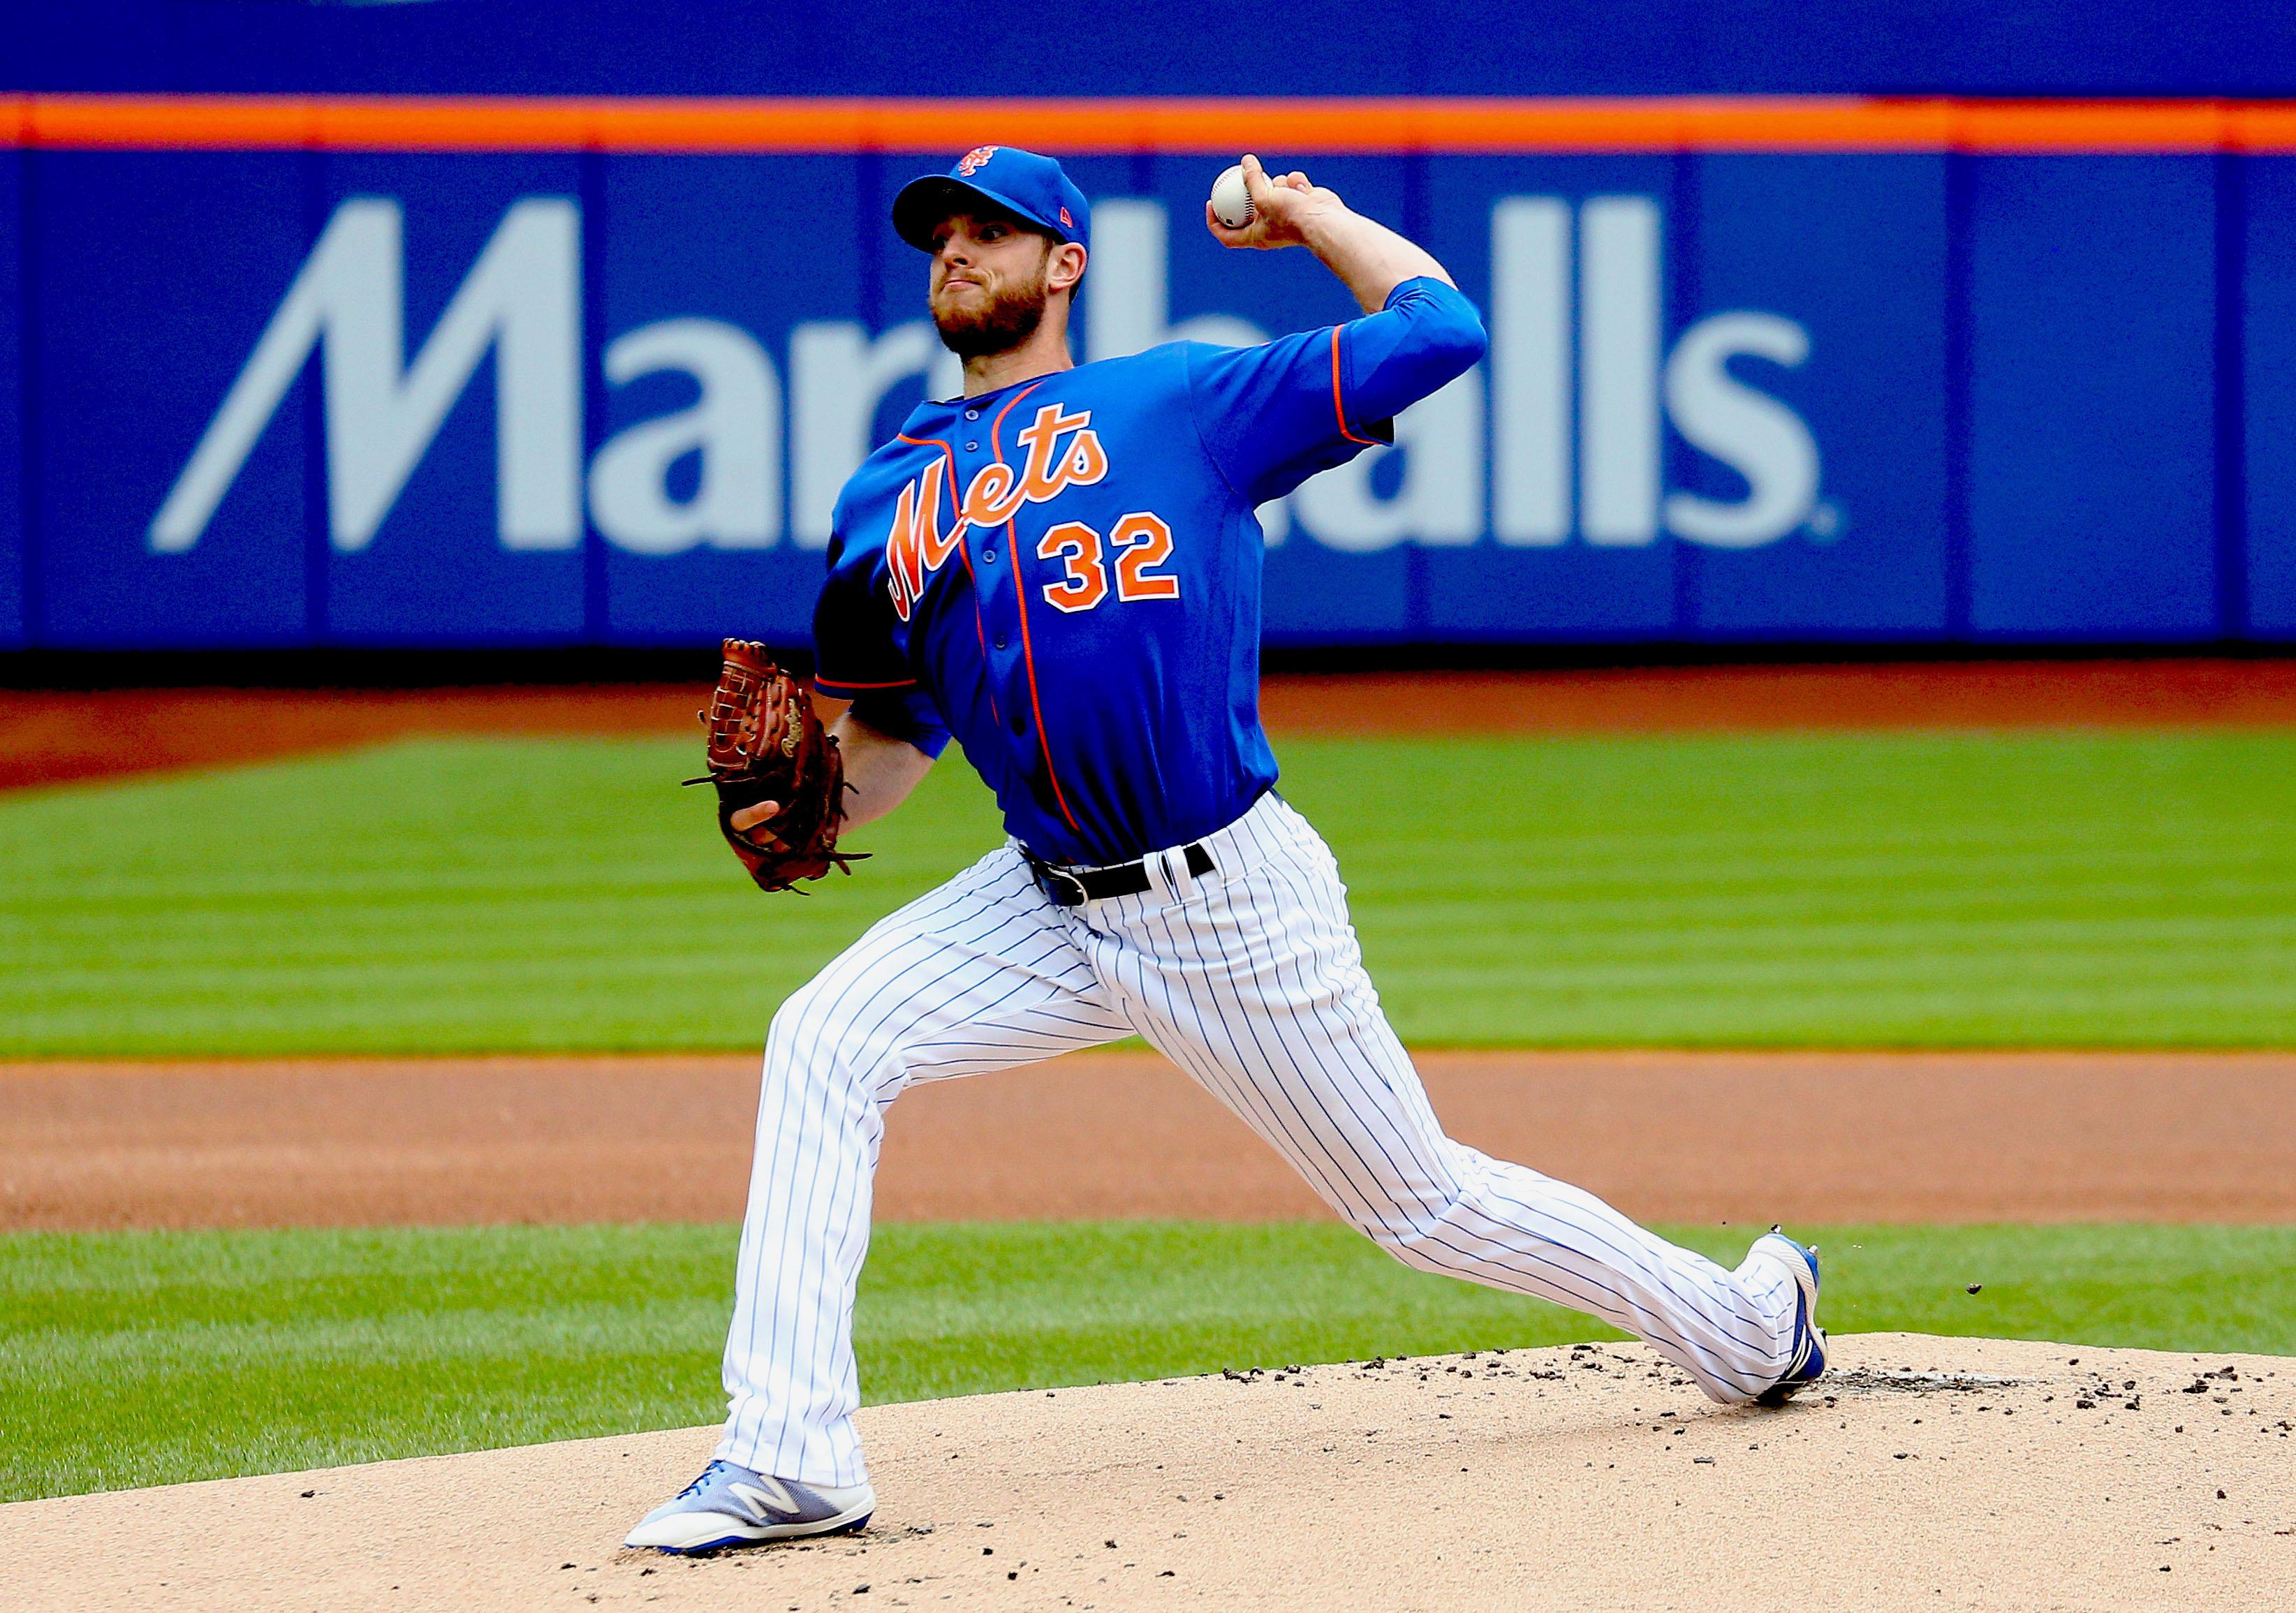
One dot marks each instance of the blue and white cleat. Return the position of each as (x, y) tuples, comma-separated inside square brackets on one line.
[(1800, 1260), (732, 1506)]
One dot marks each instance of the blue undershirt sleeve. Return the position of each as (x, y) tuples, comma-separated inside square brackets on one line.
[(906, 714)]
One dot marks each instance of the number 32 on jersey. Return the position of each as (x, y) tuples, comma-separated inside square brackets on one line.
[(1141, 542)]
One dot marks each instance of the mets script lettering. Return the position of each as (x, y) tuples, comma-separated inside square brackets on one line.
[(1063, 452)]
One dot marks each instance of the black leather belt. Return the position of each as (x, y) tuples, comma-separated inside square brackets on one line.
[(1074, 887)]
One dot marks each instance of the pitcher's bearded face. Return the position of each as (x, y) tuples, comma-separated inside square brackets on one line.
[(990, 284)]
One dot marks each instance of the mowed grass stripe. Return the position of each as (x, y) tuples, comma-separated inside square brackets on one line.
[(1783, 879), (2101, 890), (147, 1358)]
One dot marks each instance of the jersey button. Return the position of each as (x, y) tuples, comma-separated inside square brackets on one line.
[(1000, 640), (973, 447), (988, 557), (1016, 724), (972, 414)]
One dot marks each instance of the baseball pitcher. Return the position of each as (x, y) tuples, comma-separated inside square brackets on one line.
[(1061, 569)]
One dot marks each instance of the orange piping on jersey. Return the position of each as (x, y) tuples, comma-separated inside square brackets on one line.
[(979, 628), (1206, 125), (822, 681), (1339, 408), (956, 509), (956, 516), (1020, 602)]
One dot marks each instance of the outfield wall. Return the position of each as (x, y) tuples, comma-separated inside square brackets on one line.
[(1157, 47), (296, 370)]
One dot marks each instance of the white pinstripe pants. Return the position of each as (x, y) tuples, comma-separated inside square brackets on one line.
[(1249, 979)]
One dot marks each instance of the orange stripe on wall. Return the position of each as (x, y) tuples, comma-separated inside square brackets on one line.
[(415, 123), (2267, 127)]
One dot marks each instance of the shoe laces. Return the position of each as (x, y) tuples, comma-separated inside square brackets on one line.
[(708, 1474)]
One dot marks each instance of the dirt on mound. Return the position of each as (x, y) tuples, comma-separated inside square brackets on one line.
[(1929, 1473)]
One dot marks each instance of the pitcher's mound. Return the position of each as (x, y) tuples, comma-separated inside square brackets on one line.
[(1925, 1473)]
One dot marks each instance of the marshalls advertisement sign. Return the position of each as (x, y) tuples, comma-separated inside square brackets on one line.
[(286, 397)]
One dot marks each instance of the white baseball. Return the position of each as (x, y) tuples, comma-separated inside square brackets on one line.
[(1232, 199)]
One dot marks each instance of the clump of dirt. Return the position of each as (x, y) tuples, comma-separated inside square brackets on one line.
[(1882, 1381)]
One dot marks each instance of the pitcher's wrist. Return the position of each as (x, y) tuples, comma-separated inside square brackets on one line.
[(1323, 232)]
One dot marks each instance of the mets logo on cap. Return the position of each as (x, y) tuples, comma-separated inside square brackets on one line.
[(975, 160)]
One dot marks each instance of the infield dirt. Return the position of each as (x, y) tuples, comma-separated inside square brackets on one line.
[(1931, 1473), (1883, 1137)]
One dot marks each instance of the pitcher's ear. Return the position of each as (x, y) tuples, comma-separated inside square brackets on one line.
[(1067, 266)]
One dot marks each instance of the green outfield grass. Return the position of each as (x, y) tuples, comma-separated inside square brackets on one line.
[(130, 1359), (1854, 889)]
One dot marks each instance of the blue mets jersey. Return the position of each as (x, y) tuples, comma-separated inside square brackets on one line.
[(1065, 574)]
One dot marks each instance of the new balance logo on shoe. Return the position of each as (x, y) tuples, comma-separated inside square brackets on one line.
[(766, 1497)]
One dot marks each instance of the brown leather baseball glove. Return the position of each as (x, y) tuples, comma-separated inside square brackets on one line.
[(767, 744)]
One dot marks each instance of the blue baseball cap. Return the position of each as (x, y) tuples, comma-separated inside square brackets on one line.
[(1031, 188)]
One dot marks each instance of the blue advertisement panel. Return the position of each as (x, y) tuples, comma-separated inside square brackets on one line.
[(2092, 398), (13, 557), (169, 502), (741, 388), (1560, 537), (2269, 371), (279, 398), (906, 47), (1809, 396), (451, 286)]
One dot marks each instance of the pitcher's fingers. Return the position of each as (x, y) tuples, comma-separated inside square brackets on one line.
[(750, 817)]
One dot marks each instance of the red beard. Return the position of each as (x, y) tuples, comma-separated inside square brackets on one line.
[(1010, 318)]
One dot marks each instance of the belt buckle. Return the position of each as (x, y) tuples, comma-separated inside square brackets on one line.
[(1064, 888)]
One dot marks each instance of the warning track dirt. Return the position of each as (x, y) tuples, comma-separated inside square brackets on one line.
[(53, 736)]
